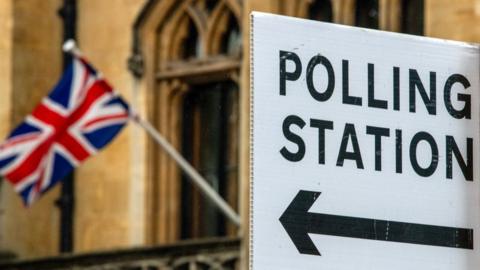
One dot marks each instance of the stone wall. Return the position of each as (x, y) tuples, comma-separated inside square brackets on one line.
[(458, 20), (30, 65), (6, 30), (109, 202)]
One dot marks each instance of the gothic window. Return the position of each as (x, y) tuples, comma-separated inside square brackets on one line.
[(405, 16), (193, 53), (412, 16), (191, 45), (321, 10), (366, 13), (209, 140)]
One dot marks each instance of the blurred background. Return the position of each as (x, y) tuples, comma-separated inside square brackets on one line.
[(184, 64)]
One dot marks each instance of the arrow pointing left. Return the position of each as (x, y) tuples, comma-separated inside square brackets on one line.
[(299, 222)]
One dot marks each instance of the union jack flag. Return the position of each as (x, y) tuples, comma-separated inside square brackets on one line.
[(80, 116)]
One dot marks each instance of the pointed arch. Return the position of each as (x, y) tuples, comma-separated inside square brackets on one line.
[(185, 47), (235, 8), (227, 26), (187, 41)]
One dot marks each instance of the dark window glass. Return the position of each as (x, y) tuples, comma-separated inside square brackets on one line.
[(209, 143), (231, 39), (366, 13), (210, 5), (413, 16), (191, 44), (321, 10)]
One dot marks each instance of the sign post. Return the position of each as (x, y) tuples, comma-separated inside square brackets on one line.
[(365, 149)]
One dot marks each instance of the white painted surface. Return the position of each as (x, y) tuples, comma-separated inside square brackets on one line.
[(347, 190)]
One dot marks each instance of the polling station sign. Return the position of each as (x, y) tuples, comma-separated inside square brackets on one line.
[(365, 149)]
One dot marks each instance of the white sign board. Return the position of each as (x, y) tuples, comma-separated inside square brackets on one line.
[(365, 149)]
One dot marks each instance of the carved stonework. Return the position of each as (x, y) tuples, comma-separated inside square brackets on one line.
[(184, 44), (216, 254)]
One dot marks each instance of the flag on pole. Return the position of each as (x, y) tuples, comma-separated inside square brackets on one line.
[(80, 116)]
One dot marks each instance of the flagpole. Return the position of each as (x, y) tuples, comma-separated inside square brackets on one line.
[(190, 171), (70, 47)]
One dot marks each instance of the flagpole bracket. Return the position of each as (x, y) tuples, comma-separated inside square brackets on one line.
[(136, 65)]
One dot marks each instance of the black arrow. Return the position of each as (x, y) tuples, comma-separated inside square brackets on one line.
[(298, 222)]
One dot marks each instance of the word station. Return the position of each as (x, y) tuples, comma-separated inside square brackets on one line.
[(416, 88)]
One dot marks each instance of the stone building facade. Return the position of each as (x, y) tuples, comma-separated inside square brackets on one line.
[(189, 76)]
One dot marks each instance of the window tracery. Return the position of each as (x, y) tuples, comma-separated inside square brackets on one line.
[(194, 63)]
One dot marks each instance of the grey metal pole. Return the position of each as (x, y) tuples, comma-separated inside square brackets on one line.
[(194, 176), (70, 47)]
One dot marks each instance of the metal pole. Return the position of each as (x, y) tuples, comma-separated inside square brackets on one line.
[(66, 201), (70, 47), (190, 171)]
